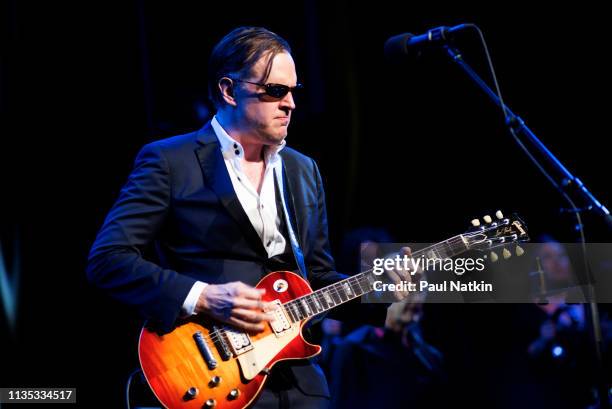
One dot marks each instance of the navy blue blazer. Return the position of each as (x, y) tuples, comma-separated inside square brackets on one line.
[(179, 199)]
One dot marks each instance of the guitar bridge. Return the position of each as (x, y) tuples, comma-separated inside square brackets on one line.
[(220, 343)]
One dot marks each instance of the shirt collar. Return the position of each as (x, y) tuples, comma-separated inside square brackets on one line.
[(230, 148)]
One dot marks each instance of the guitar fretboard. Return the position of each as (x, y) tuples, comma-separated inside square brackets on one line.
[(355, 286)]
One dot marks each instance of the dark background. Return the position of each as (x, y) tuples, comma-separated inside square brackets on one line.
[(412, 147)]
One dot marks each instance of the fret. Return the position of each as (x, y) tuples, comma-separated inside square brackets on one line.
[(346, 287), (370, 278), (289, 313), (460, 245), (306, 300), (328, 298), (431, 254), (362, 288), (304, 305), (303, 310), (323, 300), (326, 306), (315, 299), (358, 282), (340, 291), (457, 245), (364, 281), (335, 296), (446, 249), (451, 246), (298, 310), (355, 287), (464, 241), (312, 303), (290, 306)]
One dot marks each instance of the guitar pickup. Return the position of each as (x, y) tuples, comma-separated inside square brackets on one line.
[(281, 322), (239, 341)]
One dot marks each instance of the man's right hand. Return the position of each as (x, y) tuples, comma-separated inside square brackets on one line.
[(236, 304)]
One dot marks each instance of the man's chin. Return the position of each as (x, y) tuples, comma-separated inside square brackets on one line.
[(276, 139), (273, 135)]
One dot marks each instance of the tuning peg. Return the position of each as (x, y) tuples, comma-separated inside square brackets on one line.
[(499, 214), (519, 251), (487, 219), (475, 222), (494, 257), (506, 254)]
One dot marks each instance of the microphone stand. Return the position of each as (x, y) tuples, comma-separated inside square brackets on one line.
[(518, 126)]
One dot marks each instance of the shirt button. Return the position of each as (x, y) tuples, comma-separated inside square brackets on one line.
[(235, 146), (237, 152), (269, 242)]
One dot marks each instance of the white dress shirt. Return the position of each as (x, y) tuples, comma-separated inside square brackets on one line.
[(259, 207)]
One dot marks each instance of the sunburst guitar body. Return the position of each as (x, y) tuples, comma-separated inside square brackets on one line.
[(204, 364)]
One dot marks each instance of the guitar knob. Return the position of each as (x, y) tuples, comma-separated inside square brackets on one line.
[(494, 257), (506, 254), (210, 403), (234, 394), (191, 393), (487, 219), (499, 214), (519, 251), (214, 381), (475, 222)]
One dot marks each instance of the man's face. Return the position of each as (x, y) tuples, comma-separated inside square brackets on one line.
[(266, 117)]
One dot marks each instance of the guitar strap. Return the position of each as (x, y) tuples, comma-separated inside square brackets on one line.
[(290, 220)]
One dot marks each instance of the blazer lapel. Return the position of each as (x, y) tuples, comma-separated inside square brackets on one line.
[(291, 222), (289, 189), (217, 178)]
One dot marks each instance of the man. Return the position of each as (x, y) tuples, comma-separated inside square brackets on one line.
[(223, 207)]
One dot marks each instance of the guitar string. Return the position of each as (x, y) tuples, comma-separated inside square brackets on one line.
[(361, 279), (343, 282), (318, 296)]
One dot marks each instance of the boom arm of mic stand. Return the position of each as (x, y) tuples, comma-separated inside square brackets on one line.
[(519, 126)]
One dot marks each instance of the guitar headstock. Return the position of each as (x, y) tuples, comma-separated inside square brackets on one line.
[(492, 234)]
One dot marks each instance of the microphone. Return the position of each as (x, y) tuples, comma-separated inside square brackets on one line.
[(403, 44)]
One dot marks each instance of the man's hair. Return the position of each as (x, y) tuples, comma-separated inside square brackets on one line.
[(237, 53)]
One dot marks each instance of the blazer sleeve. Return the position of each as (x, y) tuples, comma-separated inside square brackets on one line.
[(116, 264), (322, 270)]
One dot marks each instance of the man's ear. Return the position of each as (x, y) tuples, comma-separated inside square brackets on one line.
[(226, 87)]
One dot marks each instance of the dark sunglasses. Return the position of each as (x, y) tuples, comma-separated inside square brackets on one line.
[(274, 90)]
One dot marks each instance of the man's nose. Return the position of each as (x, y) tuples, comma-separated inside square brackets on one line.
[(288, 101)]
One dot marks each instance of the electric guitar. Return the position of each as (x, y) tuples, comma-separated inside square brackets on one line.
[(202, 363)]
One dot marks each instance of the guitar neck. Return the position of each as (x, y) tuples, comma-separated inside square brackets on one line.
[(355, 286)]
